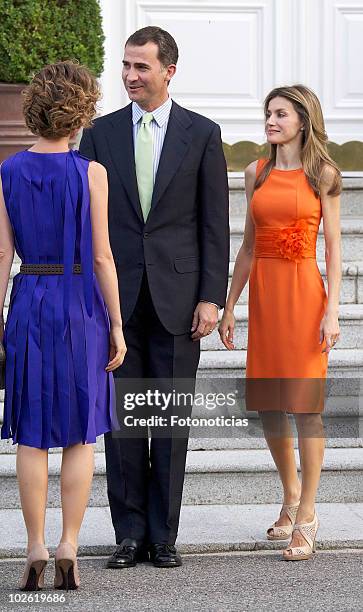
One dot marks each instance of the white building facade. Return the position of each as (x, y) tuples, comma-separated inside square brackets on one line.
[(233, 52)]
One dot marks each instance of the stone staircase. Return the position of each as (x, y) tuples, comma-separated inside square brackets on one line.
[(238, 470)]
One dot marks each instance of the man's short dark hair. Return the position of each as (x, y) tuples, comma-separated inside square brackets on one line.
[(168, 49)]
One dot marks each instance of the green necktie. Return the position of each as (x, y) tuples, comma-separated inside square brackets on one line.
[(144, 163)]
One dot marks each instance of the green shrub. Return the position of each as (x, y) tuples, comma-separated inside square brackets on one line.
[(34, 33)]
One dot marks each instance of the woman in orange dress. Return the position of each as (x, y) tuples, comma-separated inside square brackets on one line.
[(293, 323)]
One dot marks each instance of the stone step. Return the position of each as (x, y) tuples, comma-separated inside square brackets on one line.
[(343, 363), (223, 371), (351, 291), (209, 443), (203, 529), (344, 400), (351, 197), (215, 477), (350, 321), (250, 476), (217, 444), (352, 238)]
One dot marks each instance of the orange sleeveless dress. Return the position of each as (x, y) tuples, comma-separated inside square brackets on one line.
[(286, 368)]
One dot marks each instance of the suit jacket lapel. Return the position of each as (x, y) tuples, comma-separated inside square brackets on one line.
[(176, 144), (121, 142)]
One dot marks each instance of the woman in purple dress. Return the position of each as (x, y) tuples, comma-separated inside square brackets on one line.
[(63, 335)]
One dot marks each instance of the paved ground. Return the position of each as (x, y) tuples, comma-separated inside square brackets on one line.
[(235, 582)]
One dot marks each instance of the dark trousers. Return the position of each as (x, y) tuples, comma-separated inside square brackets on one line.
[(145, 482)]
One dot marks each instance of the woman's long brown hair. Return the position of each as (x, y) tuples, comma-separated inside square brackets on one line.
[(314, 154)]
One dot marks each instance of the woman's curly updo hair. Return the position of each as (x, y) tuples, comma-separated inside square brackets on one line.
[(60, 99)]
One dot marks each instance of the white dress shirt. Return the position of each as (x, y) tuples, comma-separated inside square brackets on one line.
[(159, 126)]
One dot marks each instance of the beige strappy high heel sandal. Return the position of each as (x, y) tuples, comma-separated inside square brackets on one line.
[(308, 532), (283, 532)]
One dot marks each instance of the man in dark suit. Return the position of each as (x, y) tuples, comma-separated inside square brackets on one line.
[(169, 233)]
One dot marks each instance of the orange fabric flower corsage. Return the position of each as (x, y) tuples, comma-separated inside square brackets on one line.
[(293, 240)]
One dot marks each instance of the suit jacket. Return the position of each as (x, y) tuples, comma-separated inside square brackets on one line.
[(184, 244)]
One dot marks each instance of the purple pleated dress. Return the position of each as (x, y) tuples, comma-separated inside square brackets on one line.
[(57, 392)]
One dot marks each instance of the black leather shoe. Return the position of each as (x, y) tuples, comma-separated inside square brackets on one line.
[(127, 554), (164, 555)]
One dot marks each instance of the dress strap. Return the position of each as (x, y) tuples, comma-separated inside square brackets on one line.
[(260, 164)]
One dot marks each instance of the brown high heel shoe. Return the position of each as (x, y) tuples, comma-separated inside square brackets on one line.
[(66, 568), (33, 577)]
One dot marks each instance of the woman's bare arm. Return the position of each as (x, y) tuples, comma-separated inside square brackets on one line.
[(104, 264), (331, 216)]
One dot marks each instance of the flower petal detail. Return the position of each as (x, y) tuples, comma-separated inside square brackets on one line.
[(292, 241)]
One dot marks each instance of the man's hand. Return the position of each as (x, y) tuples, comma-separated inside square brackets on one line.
[(205, 319)]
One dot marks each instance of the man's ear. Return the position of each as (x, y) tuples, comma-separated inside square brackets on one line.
[(170, 71)]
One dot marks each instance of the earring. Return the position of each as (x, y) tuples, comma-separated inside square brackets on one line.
[(301, 129)]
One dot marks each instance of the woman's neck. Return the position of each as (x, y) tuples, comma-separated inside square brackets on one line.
[(288, 156), (47, 145)]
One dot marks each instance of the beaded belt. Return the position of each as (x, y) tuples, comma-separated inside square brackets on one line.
[(293, 242), (47, 269)]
